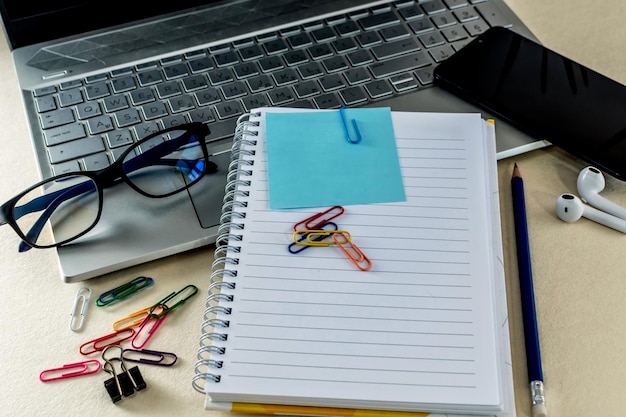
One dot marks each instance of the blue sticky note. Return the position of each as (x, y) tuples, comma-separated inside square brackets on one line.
[(312, 164)]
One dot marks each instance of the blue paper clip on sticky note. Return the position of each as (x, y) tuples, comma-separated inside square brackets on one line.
[(346, 130)]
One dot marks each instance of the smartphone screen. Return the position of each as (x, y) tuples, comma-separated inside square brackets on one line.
[(543, 94)]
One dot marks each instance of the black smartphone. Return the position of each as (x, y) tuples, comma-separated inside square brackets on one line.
[(543, 94)]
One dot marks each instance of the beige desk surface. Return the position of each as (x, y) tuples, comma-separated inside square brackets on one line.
[(579, 270)]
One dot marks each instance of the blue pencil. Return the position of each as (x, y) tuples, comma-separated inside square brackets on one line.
[(531, 333)]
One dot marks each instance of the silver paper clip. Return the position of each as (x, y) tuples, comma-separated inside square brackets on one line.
[(79, 310)]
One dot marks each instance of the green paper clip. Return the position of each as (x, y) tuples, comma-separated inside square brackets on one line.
[(123, 291), (179, 298)]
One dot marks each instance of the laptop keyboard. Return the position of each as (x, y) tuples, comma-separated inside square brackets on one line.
[(347, 60)]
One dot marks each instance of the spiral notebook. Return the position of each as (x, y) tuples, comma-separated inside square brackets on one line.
[(424, 330)]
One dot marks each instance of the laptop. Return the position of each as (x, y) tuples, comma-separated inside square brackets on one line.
[(96, 75)]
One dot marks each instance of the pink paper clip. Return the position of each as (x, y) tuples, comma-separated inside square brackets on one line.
[(146, 330), (353, 252), (102, 342), (70, 370), (319, 219)]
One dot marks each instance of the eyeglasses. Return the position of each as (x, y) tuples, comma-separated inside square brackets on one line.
[(160, 165)]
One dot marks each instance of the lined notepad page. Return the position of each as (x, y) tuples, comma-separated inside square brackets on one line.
[(416, 332)]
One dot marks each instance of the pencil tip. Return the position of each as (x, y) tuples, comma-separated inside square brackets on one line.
[(516, 172)]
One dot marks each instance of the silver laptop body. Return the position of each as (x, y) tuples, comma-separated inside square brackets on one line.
[(213, 62)]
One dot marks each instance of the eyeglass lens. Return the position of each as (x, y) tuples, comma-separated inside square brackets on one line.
[(166, 164), (71, 204)]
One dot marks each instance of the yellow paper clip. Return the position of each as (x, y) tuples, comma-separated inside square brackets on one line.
[(353, 252), (132, 320), (313, 237)]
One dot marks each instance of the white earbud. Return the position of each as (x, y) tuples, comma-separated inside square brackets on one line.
[(570, 208), (590, 183)]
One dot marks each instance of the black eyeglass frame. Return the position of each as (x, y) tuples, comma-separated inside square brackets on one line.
[(108, 177)]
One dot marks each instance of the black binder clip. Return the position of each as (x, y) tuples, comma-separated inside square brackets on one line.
[(124, 383)]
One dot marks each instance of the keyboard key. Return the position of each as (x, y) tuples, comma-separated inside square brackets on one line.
[(97, 90), (353, 96), (327, 101), (332, 82), (203, 115), (379, 20), (226, 110), (75, 149), (466, 14), (45, 103), (65, 167), (207, 96), (307, 89), (127, 117), (56, 118), (400, 64), (234, 90), (115, 103), (492, 15), (100, 124), (378, 89), (201, 65), (300, 40), (275, 46), (454, 34), (150, 77), (220, 76), (70, 97), (245, 70), (411, 12), (119, 138), (168, 89), (154, 110), (123, 84), (390, 49), (195, 82), (394, 32), (260, 83), (476, 28), (63, 134), (175, 71), (87, 110), (433, 6), (357, 76), (280, 96), (254, 101), (142, 96), (96, 162)]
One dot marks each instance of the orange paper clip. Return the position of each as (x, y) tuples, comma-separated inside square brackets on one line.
[(317, 220), (70, 370), (132, 320), (104, 341), (353, 252)]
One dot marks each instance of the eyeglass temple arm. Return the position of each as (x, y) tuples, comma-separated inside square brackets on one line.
[(50, 202)]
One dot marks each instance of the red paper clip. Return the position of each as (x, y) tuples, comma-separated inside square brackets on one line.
[(317, 220), (353, 252), (70, 370), (104, 341)]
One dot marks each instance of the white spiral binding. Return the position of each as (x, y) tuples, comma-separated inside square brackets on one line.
[(227, 242)]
